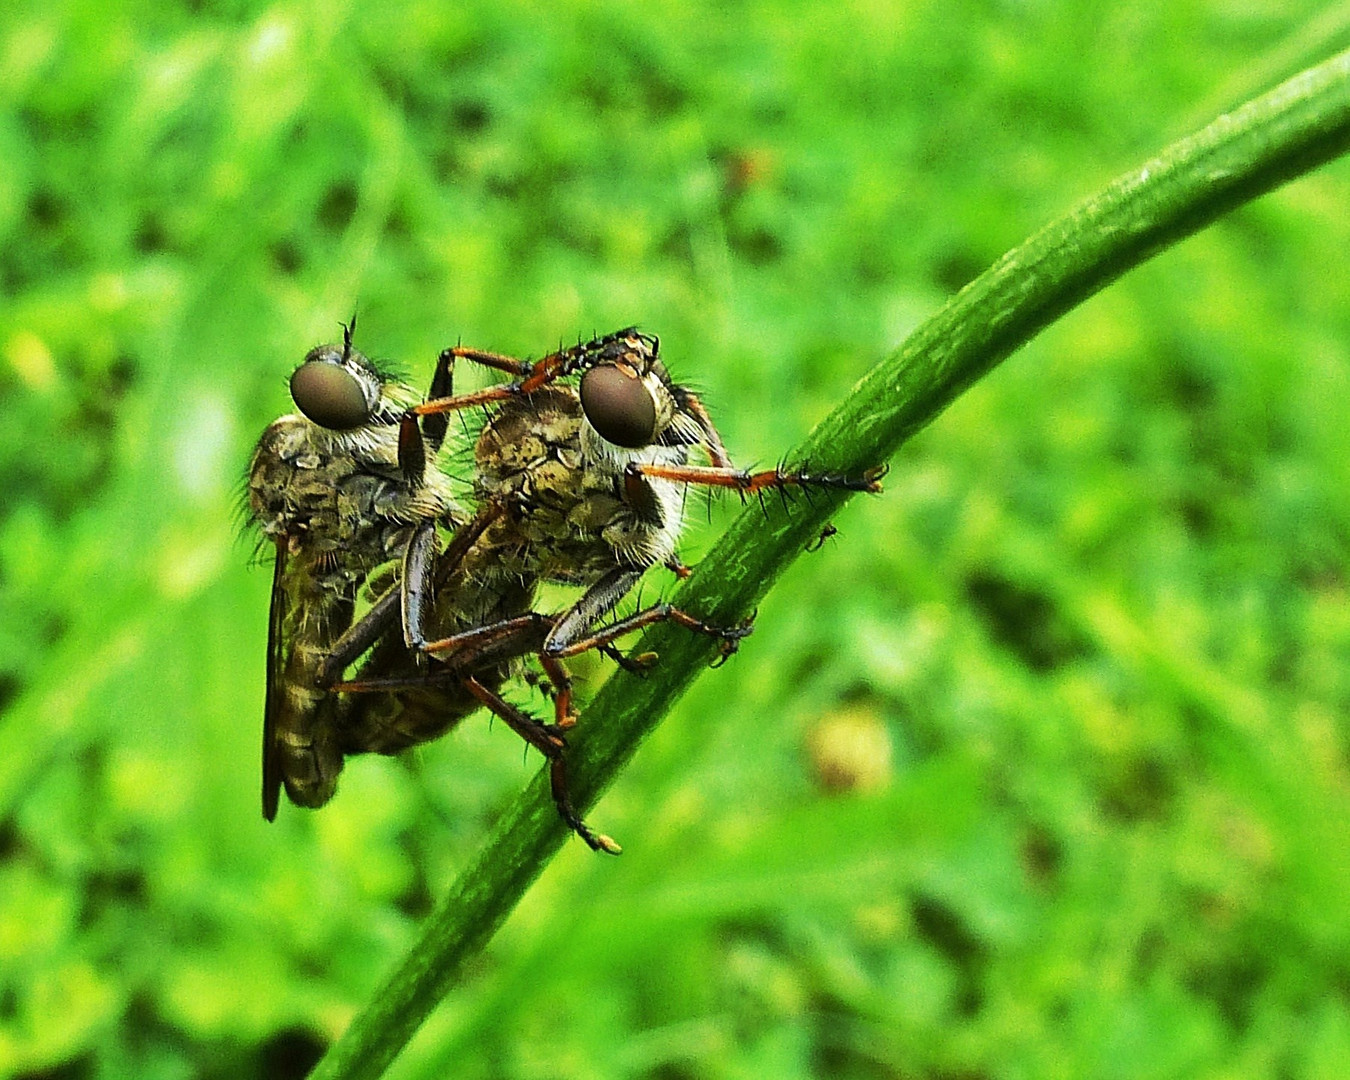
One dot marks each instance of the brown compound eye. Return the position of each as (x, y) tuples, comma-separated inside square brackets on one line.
[(329, 395), (619, 406)]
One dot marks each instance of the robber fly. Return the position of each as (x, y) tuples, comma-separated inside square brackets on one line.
[(326, 487), (580, 477)]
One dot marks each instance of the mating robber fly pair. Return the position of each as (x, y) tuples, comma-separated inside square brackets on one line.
[(580, 473)]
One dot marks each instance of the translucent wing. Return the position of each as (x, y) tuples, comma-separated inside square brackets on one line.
[(271, 772)]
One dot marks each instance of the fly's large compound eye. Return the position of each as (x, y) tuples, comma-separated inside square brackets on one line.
[(619, 406), (329, 395)]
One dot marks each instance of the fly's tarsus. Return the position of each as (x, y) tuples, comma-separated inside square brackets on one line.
[(677, 568), (635, 665), (728, 637), (748, 483)]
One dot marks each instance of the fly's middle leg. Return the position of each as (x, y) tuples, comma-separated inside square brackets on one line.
[(728, 637), (574, 632)]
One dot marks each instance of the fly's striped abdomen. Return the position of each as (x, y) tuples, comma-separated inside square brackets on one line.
[(303, 734)]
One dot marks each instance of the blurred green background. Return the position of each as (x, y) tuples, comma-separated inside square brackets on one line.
[(1038, 769)]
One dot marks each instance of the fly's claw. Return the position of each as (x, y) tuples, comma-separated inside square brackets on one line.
[(634, 665), (594, 840), (563, 802), (729, 638), (677, 568), (873, 477), (819, 542)]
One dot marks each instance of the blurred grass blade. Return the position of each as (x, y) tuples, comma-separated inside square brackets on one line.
[(1241, 155)]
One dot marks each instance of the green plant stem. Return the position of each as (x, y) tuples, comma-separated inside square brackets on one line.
[(1281, 135)]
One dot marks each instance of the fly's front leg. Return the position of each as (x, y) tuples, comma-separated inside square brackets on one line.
[(722, 473), (528, 378), (412, 444), (436, 425), (422, 432), (433, 412), (497, 361), (423, 427), (748, 483), (560, 363)]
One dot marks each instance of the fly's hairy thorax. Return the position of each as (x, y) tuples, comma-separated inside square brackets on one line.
[(339, 498), (569, 518)]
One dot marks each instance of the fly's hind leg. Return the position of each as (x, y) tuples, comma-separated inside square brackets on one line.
[(548, 740)]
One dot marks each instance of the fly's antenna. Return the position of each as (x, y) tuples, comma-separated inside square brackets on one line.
[(348, 332)]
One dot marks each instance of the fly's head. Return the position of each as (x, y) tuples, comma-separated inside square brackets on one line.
[(340, 391), (321, 471), (629, 402)]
